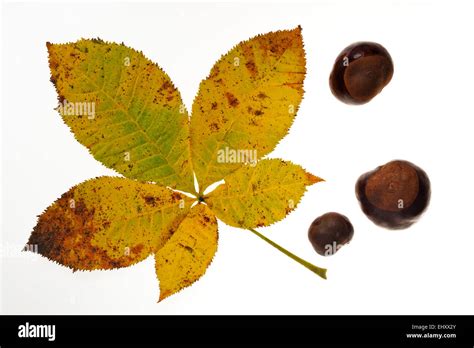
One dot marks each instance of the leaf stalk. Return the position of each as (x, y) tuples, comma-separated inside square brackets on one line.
[(315, 269)]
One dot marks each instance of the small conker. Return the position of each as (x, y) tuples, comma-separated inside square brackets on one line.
[(395, 194), (360, 72), (329, 232)]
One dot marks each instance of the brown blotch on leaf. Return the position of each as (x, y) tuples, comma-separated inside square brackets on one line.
[(65, 235), (280, 41), (232, 100), (150, 200), (137, 249), (166, 85), (176, 196), (251, 67), (248, 52)]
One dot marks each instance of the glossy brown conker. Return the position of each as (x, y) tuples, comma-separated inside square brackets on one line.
[(395, 194), (360, 72), (329, 232)]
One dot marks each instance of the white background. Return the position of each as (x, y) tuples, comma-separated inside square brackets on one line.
[(425, 115)]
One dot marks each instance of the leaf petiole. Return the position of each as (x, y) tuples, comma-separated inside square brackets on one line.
[(315, 269)]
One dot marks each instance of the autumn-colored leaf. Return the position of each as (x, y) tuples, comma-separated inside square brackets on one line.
[(260, 195), (188, 253), (248, 102), (107, 223), (124, 109), (127, 112)]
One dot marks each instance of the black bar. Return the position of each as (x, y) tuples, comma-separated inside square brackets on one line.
[(291, 331)]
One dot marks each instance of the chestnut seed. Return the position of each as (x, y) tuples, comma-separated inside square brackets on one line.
[(360, 72), (329, 232), (395, 194)]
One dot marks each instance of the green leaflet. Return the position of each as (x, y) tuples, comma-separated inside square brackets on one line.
[(124, 109)]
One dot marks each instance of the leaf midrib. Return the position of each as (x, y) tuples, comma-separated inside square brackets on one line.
[(133, 120)]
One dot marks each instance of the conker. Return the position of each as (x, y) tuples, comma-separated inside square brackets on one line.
[(360, 72), (395, 194), (329, 232)]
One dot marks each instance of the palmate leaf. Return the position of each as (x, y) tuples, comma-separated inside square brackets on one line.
[(248, 102), (140, 128)]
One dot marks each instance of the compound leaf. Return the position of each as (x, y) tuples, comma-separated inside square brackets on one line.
[(188, 253), (247, 104), (108, 222), (260, 195), (124, 109)]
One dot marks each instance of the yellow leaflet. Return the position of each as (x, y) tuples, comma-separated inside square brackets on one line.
[(188, 253), (124, 109), (261, 195), (247, 104), (107, 223)]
